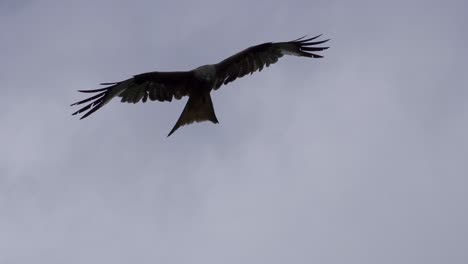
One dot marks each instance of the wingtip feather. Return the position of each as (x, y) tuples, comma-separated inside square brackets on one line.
[(301, 40)]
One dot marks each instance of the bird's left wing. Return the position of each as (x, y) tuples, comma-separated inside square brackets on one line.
[(256, 57), (161, 86)]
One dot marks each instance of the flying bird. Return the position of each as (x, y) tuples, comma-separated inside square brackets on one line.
[(198, 83)]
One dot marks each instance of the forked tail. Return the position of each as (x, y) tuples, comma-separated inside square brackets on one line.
[(199, 108)]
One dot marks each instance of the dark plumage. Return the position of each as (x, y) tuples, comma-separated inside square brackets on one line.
[(198, 83)]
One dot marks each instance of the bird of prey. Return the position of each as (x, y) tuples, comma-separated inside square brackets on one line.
[(198, 83)]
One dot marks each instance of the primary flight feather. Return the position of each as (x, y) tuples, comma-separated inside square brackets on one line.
[(198, 83)]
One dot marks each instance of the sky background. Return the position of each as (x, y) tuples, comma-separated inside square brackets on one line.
[(360, 157)]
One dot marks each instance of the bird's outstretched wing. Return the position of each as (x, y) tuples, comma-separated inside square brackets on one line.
[(257, 57), (161, 86)]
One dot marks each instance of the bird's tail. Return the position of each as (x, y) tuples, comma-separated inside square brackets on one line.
[(199, 108)]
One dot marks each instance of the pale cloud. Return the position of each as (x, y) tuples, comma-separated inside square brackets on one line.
[(359, 157)]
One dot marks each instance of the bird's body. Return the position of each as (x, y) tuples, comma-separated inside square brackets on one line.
[(198, 83), (199, 107), (206, 73)]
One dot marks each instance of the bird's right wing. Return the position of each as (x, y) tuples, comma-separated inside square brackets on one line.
[(257, 57), (161, 86)]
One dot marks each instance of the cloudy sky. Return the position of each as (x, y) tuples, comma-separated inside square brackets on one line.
[(360, 157)]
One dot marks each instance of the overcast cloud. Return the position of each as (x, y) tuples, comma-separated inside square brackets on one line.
[(360, 157)]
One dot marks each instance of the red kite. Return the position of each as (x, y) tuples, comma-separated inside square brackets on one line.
[(198, 83)]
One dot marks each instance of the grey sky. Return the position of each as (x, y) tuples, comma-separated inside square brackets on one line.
[(360, 157)]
